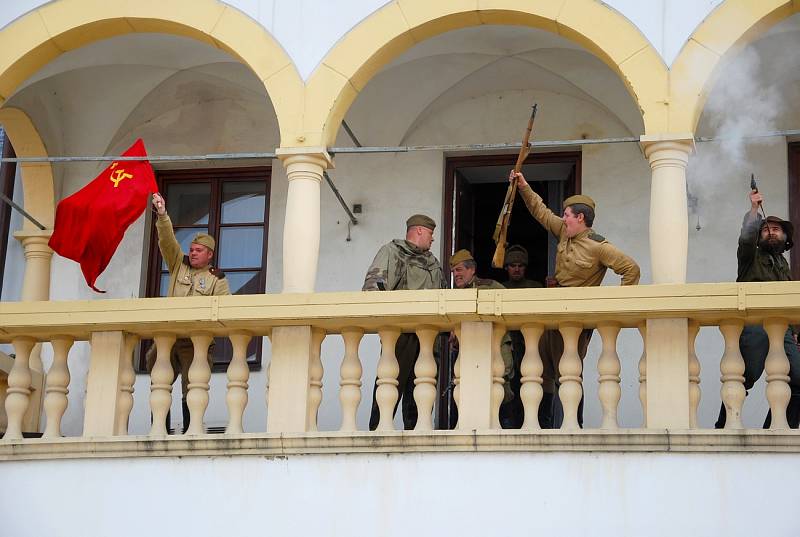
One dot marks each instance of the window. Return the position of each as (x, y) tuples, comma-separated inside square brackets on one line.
[(232, 206), (7, 172)]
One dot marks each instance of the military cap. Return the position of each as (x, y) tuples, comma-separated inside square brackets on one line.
[(421, 220), (787, 226), (579, 198), (459, 257), (516, 254), (204, 239)]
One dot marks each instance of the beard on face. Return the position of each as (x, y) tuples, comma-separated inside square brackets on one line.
[(772, 244)]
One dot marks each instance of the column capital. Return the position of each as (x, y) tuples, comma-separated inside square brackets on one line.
[(682, 142), (34, 241), (301, 155)]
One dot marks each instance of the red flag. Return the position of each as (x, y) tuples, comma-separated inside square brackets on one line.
[(91, 222)]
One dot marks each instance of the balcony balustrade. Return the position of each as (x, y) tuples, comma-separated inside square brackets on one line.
[(667, 316)]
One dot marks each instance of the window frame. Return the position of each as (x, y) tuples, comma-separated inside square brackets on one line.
[(8, 172), (217, 177)]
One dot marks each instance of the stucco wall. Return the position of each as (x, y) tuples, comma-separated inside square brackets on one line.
[(472, 494)]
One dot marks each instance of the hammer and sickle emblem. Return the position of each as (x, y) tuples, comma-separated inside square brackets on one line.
[(118, 175)]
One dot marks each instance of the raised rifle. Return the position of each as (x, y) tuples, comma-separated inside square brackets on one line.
[(501, 228), (754, 188)]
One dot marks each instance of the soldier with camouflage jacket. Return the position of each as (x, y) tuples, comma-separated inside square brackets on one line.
[(405, 264)]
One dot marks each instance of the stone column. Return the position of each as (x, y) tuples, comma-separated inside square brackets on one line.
[(35, 286), (304, 167), (669, 218), (667, 365)]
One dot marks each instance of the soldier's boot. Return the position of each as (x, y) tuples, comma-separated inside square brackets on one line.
[(546, 411), (186, 415), (792, 413), (724, 416)]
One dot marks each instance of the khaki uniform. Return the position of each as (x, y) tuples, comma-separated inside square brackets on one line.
[(581, 261), (184, 281), (401, 265)]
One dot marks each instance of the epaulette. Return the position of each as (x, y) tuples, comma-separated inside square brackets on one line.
[(217, 272), (596, 237)]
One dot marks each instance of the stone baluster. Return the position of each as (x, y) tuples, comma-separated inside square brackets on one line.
[(161, 378), (498, 369), (777, 369), (350, 383), (315, 373), (127, 378), (643, 373), (386, 394), (457, 372), (199, 377), (608, 368), (55, 398), (731, 368), (18, 392), (570, 369), (531, 369), (694, 375), (238, 375), (425, 381)]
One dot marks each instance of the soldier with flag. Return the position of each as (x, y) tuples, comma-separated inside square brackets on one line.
[(189, 275)]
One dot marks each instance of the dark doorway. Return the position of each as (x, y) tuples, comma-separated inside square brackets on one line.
[(794, 205), (475, 188)]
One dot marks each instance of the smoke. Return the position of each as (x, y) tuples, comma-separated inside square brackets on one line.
[(741, 104)]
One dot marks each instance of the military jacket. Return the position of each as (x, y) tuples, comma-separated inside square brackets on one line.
[(582, 260), (402, 265), (484, 283), (183, 279), (524, 283), (755, 264)]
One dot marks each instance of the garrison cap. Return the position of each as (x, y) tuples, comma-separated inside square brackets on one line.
[(204, 239), (421, 220), (459, 257), (516, 254), (787, 226), (579, 198)]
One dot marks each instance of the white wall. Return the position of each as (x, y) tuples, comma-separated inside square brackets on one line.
[(470, 494)]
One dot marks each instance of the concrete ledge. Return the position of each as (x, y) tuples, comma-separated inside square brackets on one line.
[(284, 445)]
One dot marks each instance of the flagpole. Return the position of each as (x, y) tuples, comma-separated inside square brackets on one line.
[(22, 211)]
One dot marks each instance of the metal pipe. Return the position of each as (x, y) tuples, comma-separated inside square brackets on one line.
[(350, 214), (382, 149), (22, 211), (350, 133)]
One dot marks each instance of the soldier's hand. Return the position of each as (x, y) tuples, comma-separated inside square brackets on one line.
[(519, 177), (755, 200), (159, 204)]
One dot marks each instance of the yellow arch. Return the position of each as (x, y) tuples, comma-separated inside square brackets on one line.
[(33, 40), (399, 25), (730, 27), (37, 178)]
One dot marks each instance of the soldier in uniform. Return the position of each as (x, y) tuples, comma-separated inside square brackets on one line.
[(582, 259), (405, 264), (512, 412), (762, 243), (464, 267), (189, 275)]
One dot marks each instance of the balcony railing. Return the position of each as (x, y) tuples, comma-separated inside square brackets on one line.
[(667, 316)]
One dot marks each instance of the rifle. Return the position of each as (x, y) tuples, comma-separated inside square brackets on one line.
[(754, 188), (501, 228)]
